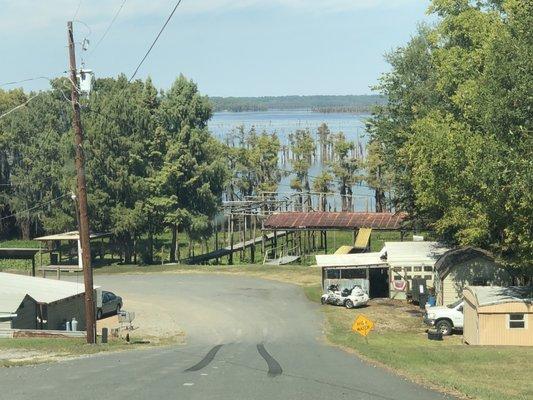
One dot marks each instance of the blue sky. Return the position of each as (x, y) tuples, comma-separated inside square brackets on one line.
[(229, 47)]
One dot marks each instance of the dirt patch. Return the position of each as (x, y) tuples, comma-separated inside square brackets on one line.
[(387, 315)]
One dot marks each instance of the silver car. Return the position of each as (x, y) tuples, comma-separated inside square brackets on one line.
[(111, 304)]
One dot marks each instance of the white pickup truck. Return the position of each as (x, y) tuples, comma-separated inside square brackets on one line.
[(445, 318)]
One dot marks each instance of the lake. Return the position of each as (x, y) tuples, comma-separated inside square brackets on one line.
[(284, 122)]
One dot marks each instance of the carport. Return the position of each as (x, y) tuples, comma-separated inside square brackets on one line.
[(365, 269), (20, 254)]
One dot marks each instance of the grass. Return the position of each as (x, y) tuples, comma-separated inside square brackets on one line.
[(335, 240), (39, 350), (400, 343)]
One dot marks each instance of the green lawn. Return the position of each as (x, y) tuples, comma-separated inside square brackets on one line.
[(480, 372)]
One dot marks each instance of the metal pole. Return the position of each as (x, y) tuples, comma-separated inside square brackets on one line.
[(90, 322)]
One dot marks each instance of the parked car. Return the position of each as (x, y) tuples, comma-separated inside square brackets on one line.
[(349, 297), (445, 319), (111, 304)]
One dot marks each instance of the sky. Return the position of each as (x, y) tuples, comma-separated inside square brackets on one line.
[(228, 47)]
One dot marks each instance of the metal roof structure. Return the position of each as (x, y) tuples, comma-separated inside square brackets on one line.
[(322, 220), (458, 256), (410, 254), (350, 260), (18, 253), (490, 295), (73, 235), (15, 287)]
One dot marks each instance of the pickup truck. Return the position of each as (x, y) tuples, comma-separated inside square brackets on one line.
[(445, 319)]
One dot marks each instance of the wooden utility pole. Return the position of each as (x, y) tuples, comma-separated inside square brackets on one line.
[(83, 230)]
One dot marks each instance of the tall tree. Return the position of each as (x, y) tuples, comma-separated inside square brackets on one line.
[(344, 167), (302, 148)]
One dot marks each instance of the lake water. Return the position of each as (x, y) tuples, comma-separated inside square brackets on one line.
[(283, 122)]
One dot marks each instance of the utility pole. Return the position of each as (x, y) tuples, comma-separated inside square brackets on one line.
[(83, 231)]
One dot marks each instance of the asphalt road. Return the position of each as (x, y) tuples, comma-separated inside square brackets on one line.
[(246, 339)]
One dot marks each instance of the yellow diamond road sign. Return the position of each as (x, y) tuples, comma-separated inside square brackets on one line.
[(362, 325)]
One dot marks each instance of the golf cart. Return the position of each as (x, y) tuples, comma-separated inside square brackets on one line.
[(347, 297)]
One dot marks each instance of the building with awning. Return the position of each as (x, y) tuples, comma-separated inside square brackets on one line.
[(368, 270)]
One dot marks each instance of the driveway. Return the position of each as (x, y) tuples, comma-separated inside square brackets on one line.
[(246, 339)]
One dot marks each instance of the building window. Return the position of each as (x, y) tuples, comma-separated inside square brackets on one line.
[(418, 269), (428, 277), (407, 269), (516, 321), (333, 274), (428, 269), (397, 269), (353, 273)]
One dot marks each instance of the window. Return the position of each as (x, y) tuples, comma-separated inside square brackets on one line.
[(353, 273), (517, 321), (428, 269), (407, 269), (428, 277), (397, 269), (418, 269), (332, 274)]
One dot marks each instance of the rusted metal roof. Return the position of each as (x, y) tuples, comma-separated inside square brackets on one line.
[(334, 220)]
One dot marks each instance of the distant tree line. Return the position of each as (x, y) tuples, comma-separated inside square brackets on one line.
[(238, 104), (454, 143)]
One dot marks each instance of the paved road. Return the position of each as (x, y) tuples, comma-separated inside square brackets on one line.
[(246, 339)]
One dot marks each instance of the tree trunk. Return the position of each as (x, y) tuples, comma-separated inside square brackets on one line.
[(174, 244), (25, 229), (151, 248), (380, 200)]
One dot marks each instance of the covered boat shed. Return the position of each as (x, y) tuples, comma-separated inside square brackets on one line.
[(301, 228)]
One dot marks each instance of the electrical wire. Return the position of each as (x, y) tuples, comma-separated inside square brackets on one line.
[(34, 207), (24, 80), (20, 105), (108, 28), (77, 10), (155, 40)]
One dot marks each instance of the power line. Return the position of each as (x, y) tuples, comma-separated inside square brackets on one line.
[(77, 10), (34, 207), (24, 80), (155, 40), (20, 105), (108, 27)]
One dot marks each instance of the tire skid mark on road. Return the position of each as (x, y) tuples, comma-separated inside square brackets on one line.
[(206, 360), (274, 369)]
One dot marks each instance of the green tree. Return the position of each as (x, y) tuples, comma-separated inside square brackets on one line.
[(344, 167), (302, 147)]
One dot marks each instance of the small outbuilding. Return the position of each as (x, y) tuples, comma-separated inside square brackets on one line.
[(496, 315), (39, 303), (461, 267), (367, 270)]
